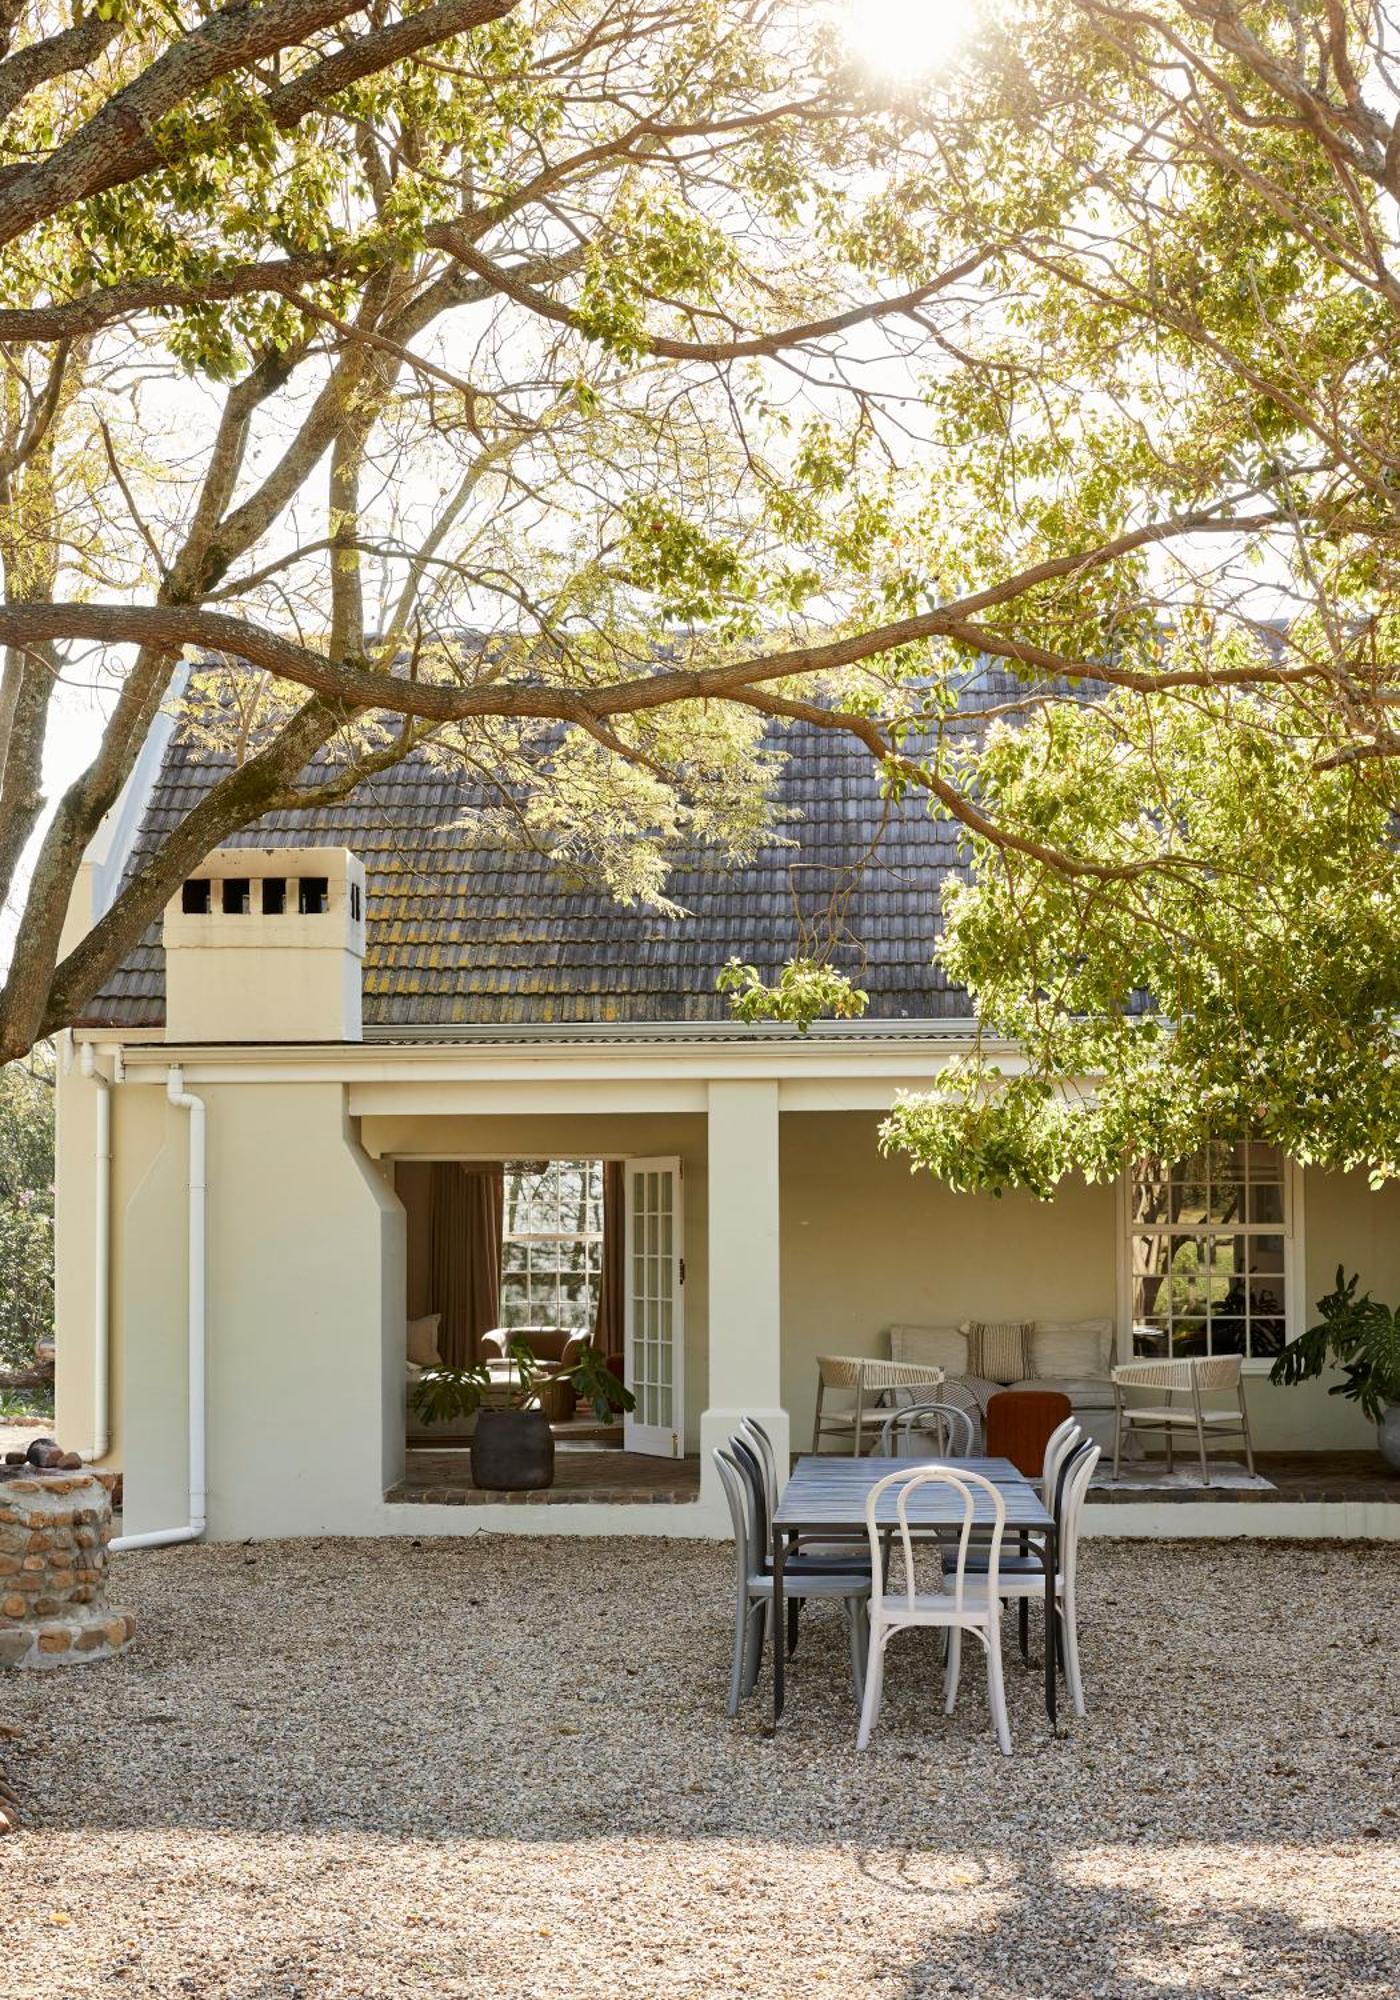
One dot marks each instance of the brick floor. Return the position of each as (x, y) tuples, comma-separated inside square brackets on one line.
[(593, 1471), (1295, 1475), (584, 1472)]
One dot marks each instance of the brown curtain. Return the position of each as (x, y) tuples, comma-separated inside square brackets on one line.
[(466, 1209), (608, 1327)]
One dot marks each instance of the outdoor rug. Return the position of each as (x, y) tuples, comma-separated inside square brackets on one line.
[(1153, 1477)]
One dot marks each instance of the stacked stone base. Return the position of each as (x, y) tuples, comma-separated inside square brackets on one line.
[(54, 1530)]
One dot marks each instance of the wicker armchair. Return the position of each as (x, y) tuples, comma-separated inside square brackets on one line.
[(1192, 1378), (873, 1384)]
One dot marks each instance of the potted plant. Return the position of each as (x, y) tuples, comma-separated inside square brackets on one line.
[(512, 1445), (1362, 1337)]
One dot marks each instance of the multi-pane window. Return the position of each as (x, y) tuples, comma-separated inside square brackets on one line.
[(551, 1243), (1207, 1249)]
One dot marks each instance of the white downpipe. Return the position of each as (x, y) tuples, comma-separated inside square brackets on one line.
[(102, 1257), (163, 1537)]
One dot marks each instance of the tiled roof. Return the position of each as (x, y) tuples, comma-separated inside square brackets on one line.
[(463, 930)]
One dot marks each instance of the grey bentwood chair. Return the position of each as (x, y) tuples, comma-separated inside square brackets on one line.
[(753, 1592), (752, 1433), (951, 1429)]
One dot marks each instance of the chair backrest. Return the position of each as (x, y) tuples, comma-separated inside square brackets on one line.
[(1020, 1424), (759, 1442), (868, 1371), (1074, 1491), (838, 1371), (747, 1460), (1195, 1372), (966, 1485), (1059, 1445), (953, 1430), (736, 1493)]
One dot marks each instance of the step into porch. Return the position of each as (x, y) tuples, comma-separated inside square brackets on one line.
[(586, 1472)]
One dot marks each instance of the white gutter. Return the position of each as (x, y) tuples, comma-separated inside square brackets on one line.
[(163, 1537), (102, 1243)]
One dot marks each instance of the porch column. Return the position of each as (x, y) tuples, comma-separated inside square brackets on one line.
[(744, 1277)]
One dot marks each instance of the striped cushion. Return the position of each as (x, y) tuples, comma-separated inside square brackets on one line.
[(1000, 1349)]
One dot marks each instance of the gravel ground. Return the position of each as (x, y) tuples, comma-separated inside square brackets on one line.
[(502, 1768)]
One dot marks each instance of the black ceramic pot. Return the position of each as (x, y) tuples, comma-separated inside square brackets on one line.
[(512, 1450)]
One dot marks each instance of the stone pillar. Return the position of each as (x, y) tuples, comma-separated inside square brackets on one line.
[(54, 1531), (745, 1305)]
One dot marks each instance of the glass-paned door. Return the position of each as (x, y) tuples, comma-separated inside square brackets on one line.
[(655, 1320)]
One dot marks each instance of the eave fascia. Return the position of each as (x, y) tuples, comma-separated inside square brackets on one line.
[(907, 1055)]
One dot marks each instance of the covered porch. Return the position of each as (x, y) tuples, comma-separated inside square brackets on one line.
[(798, 1239)]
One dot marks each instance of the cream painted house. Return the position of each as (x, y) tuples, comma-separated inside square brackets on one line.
[(338, 1005)]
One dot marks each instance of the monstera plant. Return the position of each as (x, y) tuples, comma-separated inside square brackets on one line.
[(1361, 1336)]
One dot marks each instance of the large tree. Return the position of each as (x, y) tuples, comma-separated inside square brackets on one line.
[(1227, 295), (712, 379)]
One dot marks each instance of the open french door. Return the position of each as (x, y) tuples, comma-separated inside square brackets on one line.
[(655, 1315)]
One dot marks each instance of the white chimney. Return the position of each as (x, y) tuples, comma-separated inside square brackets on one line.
[(265, 944)]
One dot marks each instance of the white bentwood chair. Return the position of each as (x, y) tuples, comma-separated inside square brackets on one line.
[(964, 1602), (753, 1591), (1058, 1446), (1022, 1577)]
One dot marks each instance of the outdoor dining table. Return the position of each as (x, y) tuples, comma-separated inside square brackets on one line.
[(826, 1496)]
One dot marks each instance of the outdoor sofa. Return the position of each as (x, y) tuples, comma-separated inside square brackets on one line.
[(1075, 1357)]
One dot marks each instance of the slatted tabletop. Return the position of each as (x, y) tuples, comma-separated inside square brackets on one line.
[(828, 1494)]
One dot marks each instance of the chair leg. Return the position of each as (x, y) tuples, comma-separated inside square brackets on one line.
[(1117, 1430), (1201, 1448), (996, 1686), (1069, 1626), (741, 1628), (1244, 1426), (1023, 1623), (952, 1669), (817, 1421), (854, 1608), (1171, 1448), (754, 1632), (874, 1686)]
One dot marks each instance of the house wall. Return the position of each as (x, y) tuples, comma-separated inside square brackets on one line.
[(307, 1281), (305, 1273), (866, 1244)]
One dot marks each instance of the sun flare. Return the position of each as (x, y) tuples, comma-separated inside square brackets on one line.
[(908, 38)]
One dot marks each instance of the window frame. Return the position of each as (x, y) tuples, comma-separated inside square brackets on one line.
[(1291, 1229), (592, 1240)]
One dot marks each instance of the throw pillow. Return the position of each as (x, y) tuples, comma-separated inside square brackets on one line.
[(1066, 1348), (423, 1341), (999, 1349), (942, 1347)]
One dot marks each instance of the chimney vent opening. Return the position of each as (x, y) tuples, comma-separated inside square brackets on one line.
[(238, 896), (313, 895), (355, 901), (194, 897), (274, 895)]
